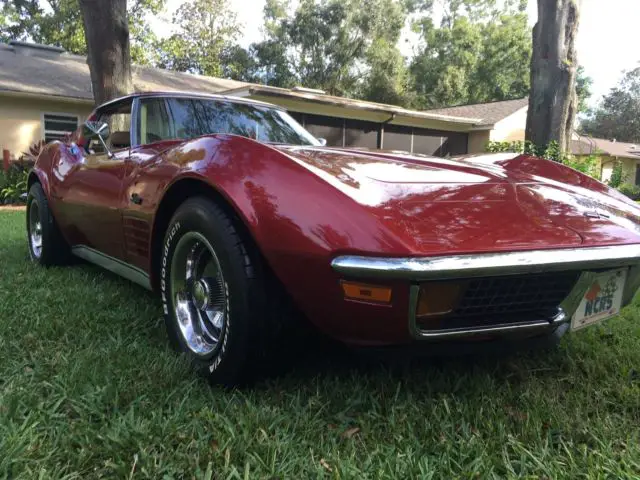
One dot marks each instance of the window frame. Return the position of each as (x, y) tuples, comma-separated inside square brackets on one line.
[(44, 130), (132, 116), (135, 115), (136, 126)]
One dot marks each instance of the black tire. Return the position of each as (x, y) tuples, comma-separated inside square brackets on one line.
[(243, 338), (52, 249)]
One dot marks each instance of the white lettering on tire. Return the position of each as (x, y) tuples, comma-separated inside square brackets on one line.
[(163, 292), (163, 273), (225, 334)]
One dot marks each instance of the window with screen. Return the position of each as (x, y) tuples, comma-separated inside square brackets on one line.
[(57, 126)]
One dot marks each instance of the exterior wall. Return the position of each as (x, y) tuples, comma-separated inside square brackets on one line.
[(606, 168), (511, 128), (629, 170), (21, 120), (478, 141)]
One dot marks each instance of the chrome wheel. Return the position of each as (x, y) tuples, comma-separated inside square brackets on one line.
[(199, 294), (35, 230)]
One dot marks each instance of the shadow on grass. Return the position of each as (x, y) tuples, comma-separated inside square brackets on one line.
[(304, 359)]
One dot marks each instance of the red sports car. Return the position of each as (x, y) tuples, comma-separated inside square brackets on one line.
[(234, 213)]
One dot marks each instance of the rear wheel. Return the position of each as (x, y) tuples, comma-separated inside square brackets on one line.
[(46, 244), (214, 293)]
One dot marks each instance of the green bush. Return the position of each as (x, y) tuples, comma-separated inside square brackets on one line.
[(617, 175), (631, 191), (588, 166), (13, 182)]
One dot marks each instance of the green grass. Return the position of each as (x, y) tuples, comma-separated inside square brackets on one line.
[(89, 388)]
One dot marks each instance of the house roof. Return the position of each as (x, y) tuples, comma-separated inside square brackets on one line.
[(489, 113), (27, 68), (317, 96), (42, 70), (587, 145)]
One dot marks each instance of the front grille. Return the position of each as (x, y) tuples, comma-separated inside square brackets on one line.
[(508, 299)]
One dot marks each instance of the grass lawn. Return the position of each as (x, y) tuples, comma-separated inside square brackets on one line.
[(89, 388)]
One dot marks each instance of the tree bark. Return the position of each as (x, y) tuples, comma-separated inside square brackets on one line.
[(553, 99), (106, 30)]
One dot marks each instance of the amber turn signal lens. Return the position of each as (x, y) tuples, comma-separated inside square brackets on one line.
[(366, 293), (438, 298)]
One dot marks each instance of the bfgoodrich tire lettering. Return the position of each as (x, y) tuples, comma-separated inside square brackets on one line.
[(217, 314)]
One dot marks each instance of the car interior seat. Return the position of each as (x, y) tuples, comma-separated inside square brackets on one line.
[(118, 140)]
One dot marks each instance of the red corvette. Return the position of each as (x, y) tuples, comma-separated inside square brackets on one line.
[(231, 211)]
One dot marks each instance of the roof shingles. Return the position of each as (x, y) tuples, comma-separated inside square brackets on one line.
[(67, 75), (588, 146), (490, 113)]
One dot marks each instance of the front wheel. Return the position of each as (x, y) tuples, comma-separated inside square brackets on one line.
[(46, 244), (212, 292)]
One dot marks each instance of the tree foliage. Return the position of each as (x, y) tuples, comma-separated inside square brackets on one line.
[(478, 52), (583, 89), (618, 115), (470, 50), (59, 23), (345, 47), (205, 40)]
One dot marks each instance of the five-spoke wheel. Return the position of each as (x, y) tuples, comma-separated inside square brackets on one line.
[(214, 293), (200, 296)]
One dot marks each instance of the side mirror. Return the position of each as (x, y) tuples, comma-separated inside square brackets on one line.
[(99, 130), (323, 142)]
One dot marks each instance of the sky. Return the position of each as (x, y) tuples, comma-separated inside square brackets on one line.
[(607, 44)]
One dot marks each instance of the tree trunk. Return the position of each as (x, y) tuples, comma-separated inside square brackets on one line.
[(553, 99), (106, 30)]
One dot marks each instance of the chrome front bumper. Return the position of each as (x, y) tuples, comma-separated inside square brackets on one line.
[(588, 260)]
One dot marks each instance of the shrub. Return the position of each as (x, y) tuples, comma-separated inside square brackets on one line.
[(617, 175), (588, 166), (13, 182), (631, 191)]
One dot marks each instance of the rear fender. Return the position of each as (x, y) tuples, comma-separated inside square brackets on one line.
[(530, 165)]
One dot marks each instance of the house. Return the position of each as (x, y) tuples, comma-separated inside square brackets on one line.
[(45, 92), (609, 152), (502, 121)]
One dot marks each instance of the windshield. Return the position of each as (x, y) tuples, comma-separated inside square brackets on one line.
[(193, 117)]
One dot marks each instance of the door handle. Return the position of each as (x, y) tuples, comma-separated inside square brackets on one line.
[(137, 199)]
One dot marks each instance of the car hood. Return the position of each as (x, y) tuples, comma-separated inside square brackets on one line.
[(446, 205)]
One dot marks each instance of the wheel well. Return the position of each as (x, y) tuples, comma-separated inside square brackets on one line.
[(31, 179), (173, 198)]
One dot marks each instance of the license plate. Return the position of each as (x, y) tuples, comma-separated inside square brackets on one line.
[(602, 300)]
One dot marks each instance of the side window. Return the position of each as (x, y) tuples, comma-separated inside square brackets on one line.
[(195, 117), (118, 135), (154, 121), (186, 121)]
